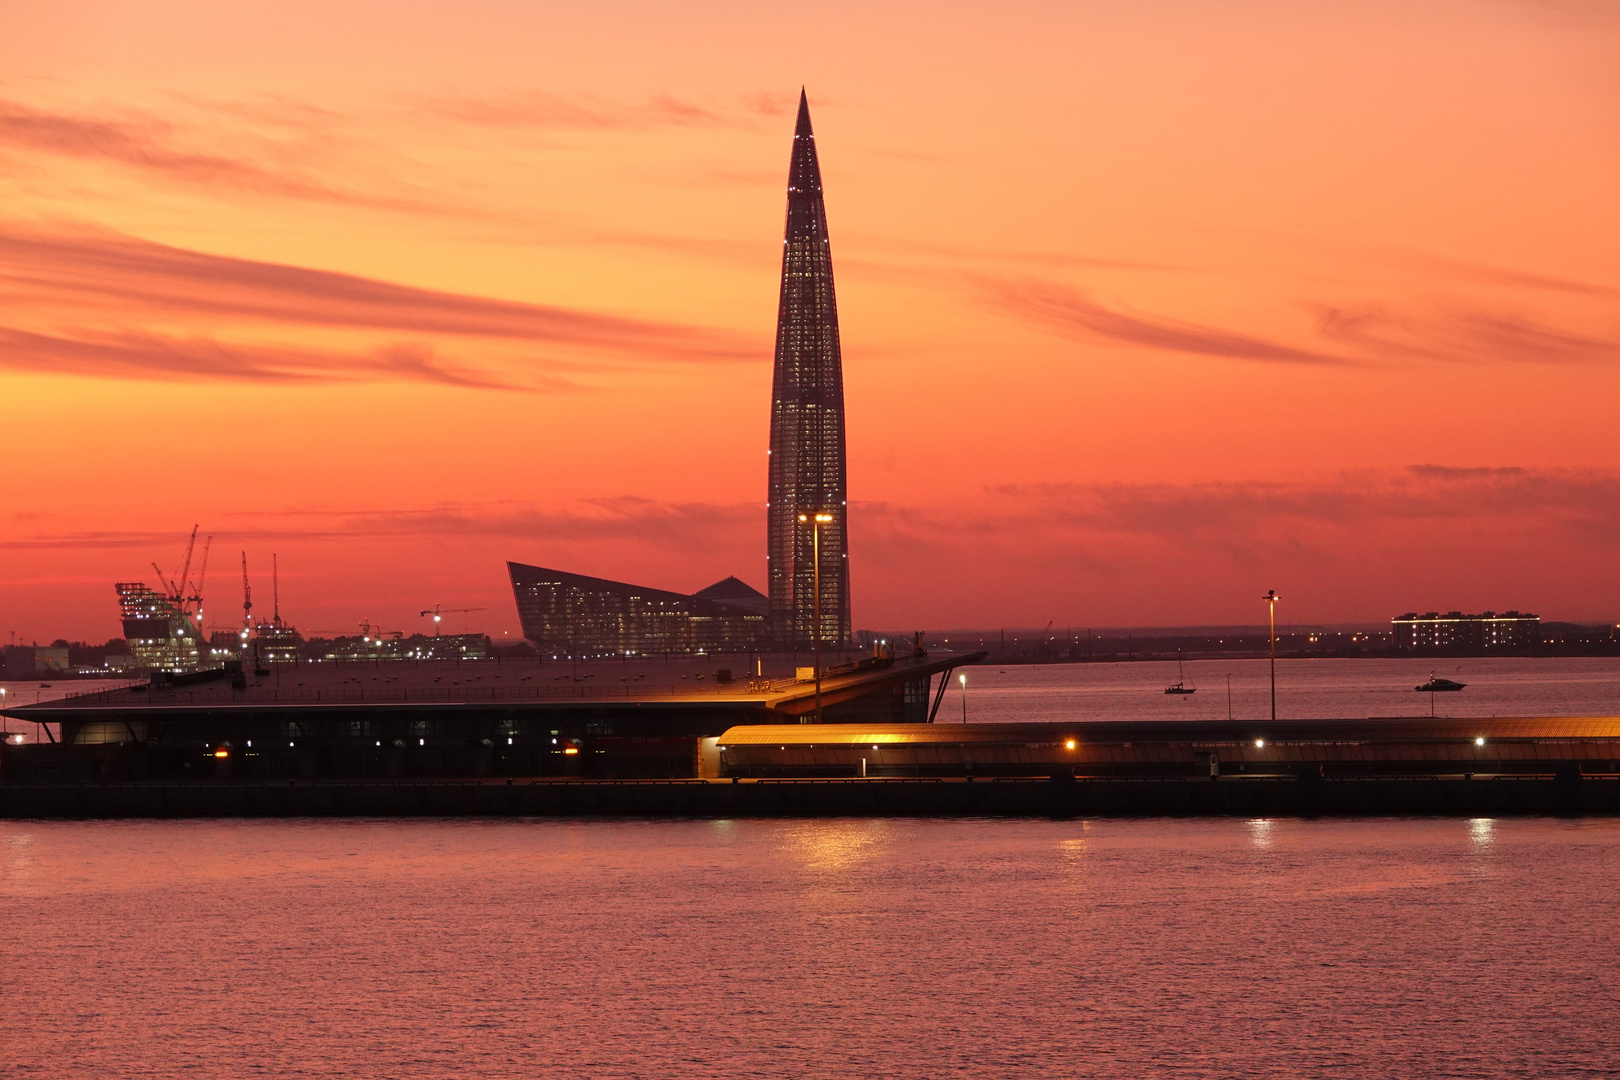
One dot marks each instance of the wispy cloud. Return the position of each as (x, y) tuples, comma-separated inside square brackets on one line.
[(1587, 500), (543, 110), (1070, 313), (147, 356), (1355, 335), (1469, 336), (679, 526), (154, 145), (175, 279), (92, 296)]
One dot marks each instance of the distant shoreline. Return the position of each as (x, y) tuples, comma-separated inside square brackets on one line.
[(1345, 654)]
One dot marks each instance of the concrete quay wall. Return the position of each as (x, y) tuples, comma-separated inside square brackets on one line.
[(1478, 796)]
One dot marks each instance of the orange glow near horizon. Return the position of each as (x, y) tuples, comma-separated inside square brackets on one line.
[(1145, 306)]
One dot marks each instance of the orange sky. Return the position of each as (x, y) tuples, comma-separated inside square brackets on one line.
[(1147, 307)]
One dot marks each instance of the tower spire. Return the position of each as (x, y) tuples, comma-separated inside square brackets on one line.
[(807, 468)]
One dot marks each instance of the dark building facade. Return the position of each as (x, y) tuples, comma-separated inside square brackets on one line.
[(807, 462), (1485, 632), (567, 614)]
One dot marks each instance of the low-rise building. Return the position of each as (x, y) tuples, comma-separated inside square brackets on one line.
[(567, 614)]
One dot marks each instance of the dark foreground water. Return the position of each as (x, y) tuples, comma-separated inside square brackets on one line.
[(810, 948)]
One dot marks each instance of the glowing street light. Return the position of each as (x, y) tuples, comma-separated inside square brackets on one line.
[(963, 680), (816, 522), (1271, 599)]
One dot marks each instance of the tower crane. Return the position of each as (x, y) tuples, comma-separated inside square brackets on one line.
[(175, 589), (439, 613), (179, 590), (196, 596), (376, 631), (275, 592), (247, 600)]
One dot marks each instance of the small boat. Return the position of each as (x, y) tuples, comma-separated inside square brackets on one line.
[(1180, 687), (1437, 685)]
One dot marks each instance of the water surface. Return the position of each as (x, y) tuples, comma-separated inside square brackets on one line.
[(908, 948), (1331, 689)]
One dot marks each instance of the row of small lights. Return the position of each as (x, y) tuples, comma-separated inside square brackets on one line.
[(1070, 744)]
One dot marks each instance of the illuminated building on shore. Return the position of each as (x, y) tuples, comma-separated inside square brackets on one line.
[(567, 614), (1487, 631), (161, 636)]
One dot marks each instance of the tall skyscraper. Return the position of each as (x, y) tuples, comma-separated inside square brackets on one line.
[(807, 471)]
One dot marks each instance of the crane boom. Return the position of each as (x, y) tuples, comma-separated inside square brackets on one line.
[(202, 574), (438, 614), (247, 596), (185, 570)]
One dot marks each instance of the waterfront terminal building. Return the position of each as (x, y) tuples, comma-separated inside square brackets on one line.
[(572, 615)]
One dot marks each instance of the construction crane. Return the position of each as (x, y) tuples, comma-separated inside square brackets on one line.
[(175, 590), (369, 631), (179, 590), (439, 613), (275, 592), (202, 577), (247, 599)]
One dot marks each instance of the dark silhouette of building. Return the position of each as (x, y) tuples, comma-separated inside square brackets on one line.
[(807, 468), (567, 614)]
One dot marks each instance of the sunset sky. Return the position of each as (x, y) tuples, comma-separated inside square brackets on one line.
[(1147, 307)]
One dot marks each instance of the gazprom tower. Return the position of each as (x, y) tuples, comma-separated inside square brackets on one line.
[(807, 467)]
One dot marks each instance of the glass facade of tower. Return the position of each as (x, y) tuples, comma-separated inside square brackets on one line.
[(807, 466)]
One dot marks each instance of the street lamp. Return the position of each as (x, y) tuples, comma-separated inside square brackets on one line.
[(815, 522), (1271, 599), (963, 680)]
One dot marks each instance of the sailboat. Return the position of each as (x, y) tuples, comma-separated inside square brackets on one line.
[(1180, 687)]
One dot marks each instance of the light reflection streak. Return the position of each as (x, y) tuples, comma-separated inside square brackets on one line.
[(1260, 833)]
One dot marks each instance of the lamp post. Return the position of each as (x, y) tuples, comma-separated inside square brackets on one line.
[(815, 522), (1271, 599), (963, 680)]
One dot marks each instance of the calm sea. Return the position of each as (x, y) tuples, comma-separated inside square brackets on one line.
[(834, 948), (1306, 689)]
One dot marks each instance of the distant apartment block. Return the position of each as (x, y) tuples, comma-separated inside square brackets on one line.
[(1486, 632)]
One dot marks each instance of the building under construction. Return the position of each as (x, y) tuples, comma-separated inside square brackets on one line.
[(161, 635)]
